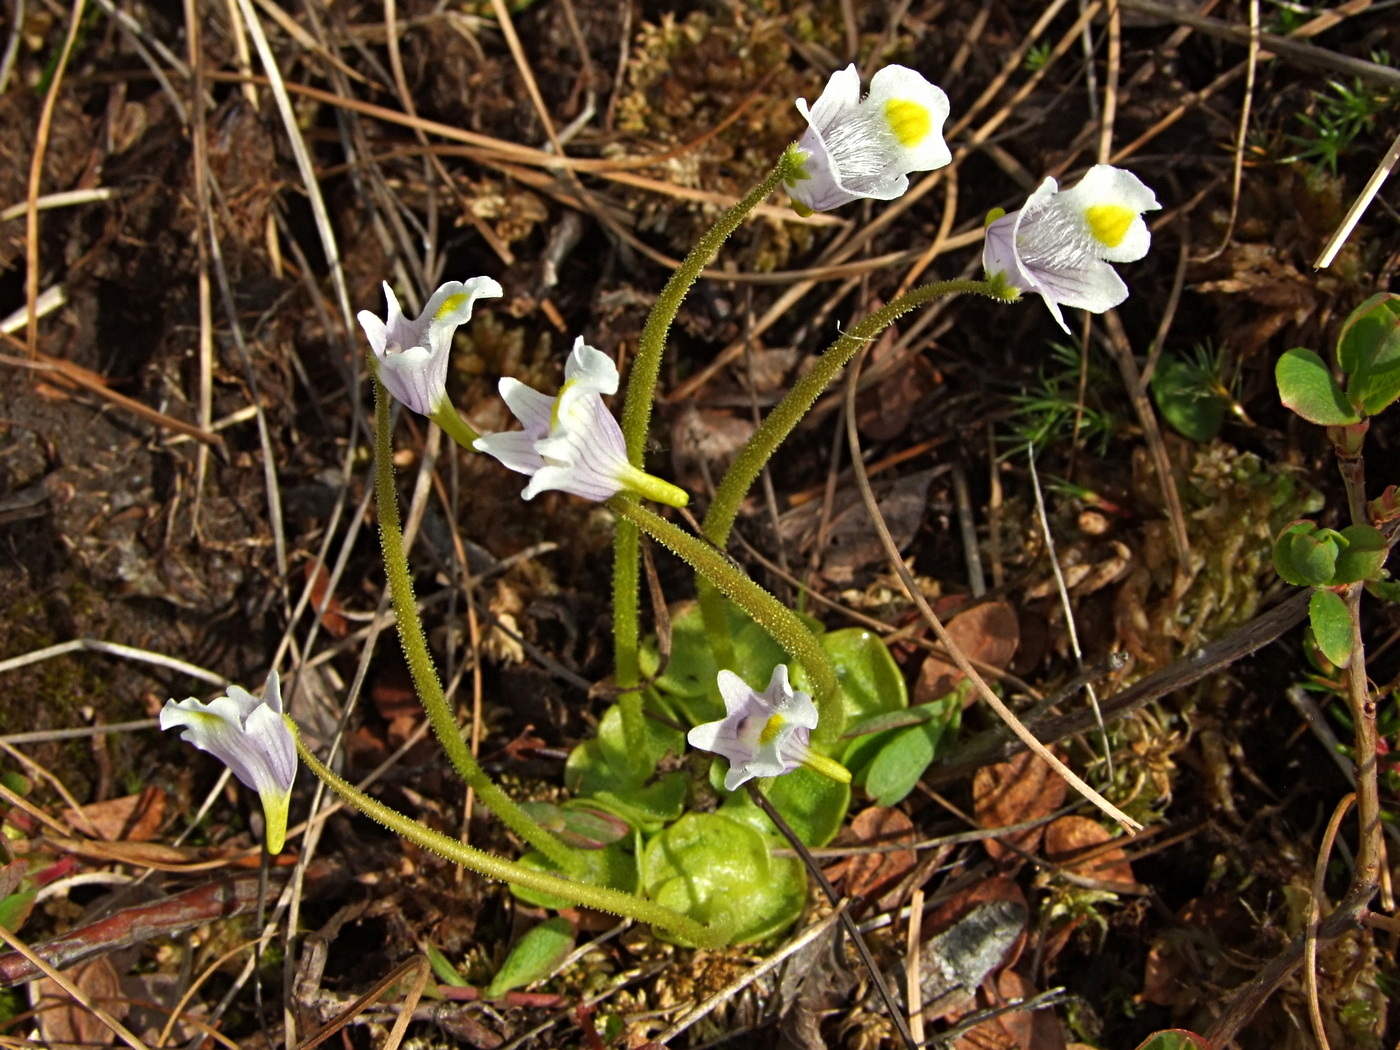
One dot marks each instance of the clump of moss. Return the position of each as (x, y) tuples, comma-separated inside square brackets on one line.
[(684, 78)]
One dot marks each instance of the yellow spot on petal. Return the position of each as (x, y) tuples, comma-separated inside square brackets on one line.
[(801, 208), (450, 305), (910, 121), (1109, 222), (771, 729), (554, 408), (993, 216)]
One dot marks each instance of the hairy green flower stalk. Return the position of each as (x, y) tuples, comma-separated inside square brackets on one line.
[(420, 662)]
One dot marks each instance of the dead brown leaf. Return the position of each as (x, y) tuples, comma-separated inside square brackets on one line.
[(135, 818), (61, 1020), (1029, 1029), (870, 874), (989, 632), (1069, 838), (1013, 792)]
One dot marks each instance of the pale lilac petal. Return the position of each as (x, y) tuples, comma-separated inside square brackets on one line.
[(514, 448), (1055, 246), (416, 377), (865, 148), (589, 369), (411, 355), (533, 409), (739, 736)]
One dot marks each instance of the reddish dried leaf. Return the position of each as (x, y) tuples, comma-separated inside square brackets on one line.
[(331, 618), (882, 413), (1013, 792), (989, 632), (1069, 838), (135, 818), (393, 695), (1028, 1029), (61, 1020), (986, 1036), (870, 874)]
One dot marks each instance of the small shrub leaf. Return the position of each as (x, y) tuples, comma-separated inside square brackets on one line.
[(1331, 624), (1305, 385), (1369, 352)]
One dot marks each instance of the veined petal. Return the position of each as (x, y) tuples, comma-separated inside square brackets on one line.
[(762, 734), (838, 99), (590, 369), (1059, 245), (411, 355), (415, 376), (866, 148), (375, 331), (1095, 286), (533, 409), (515, 449), (1110, 202), (251, 737), (914, 110), (451, 306)]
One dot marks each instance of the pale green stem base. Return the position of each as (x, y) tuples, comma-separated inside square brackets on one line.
[(493, 867), (453, 425), (420, 662), (636, 417), (774, 617)]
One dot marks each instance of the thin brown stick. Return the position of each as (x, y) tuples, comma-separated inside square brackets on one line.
[(1324, 853), (36, 175), (1152, 433)]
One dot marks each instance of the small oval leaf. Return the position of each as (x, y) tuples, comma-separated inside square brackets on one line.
[(1314, 557), (1362, 557), (1369, 352), (534, 957), (899, 765), (1305, 385), (1331, 624)]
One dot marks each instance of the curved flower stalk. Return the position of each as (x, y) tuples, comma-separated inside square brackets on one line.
[(571, 442), (600, 898), (410, 357), (250, 736), (1060, 243), (856, 147), (764, 734)]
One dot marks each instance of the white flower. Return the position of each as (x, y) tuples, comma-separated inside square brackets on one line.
[(762, 734), (411, 356), (251, 737), (571, 442), (1060, 244), (866, 148)]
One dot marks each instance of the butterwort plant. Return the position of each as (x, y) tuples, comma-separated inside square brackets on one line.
[(792, 735)]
